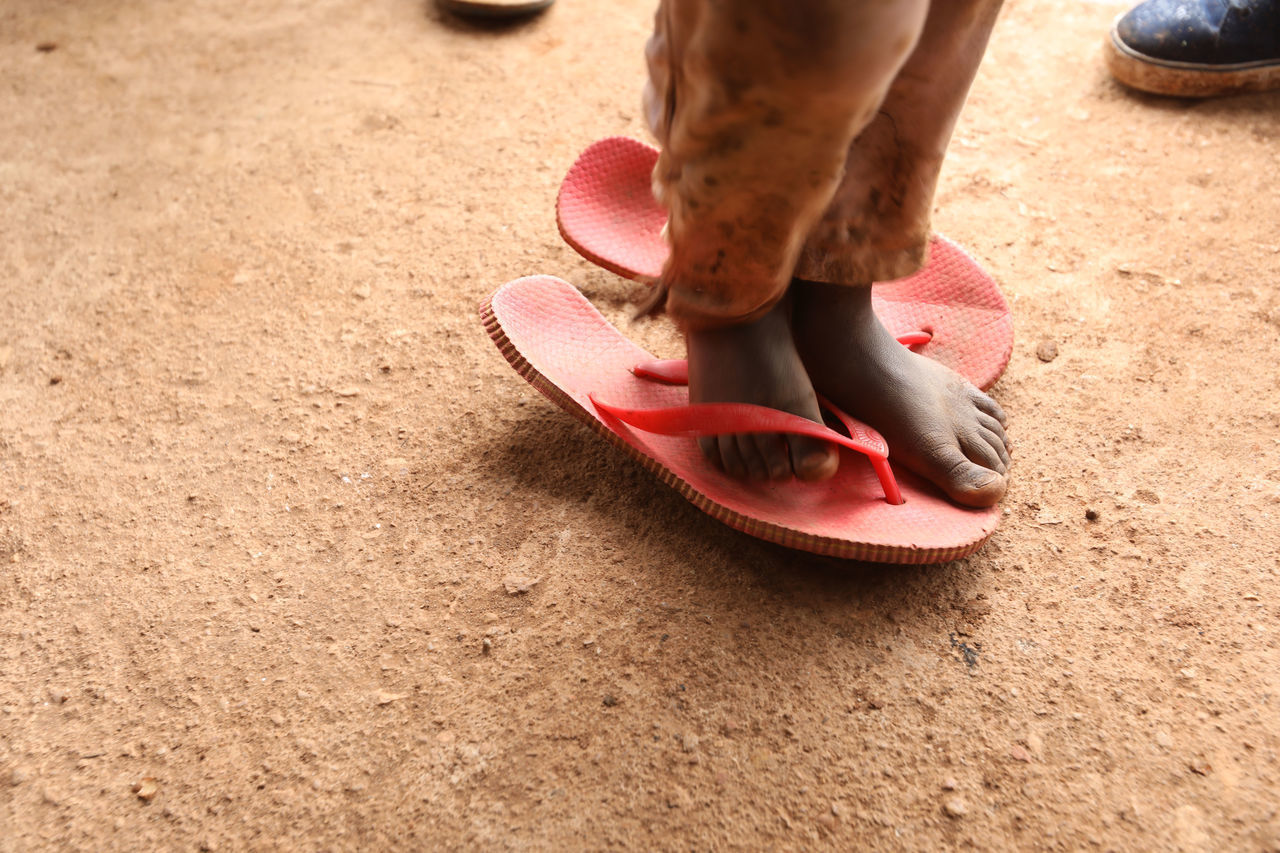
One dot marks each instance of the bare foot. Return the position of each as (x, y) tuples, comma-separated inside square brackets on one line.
[(757, 363), (936, 423)]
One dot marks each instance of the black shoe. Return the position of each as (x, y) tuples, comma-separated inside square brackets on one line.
[(1197, 48)]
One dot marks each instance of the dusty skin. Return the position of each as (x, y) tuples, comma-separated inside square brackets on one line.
[(757, 363), (936, 422), (293, 560)]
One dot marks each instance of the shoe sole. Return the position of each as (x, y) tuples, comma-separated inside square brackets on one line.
[(494, 8), (1187, 79)]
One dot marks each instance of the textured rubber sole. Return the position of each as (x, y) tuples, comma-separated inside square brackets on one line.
[(554, 338), (1185, 79)]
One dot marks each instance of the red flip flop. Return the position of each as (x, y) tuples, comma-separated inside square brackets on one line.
[(955, 311), (566, 349)]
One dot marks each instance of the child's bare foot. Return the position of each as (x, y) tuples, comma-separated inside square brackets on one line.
[(936, 423), (757, 363)]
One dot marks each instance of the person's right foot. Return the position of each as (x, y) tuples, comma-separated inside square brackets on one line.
[(757, 363), (1197, 48), (935, 422)]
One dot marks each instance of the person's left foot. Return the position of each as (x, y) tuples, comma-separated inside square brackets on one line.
[(936, 423)]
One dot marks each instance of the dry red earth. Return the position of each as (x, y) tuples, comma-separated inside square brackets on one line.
[(272, 506)]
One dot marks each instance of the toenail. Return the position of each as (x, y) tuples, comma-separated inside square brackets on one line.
[(817, 457)]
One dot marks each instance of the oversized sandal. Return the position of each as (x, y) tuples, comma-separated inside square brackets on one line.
[(565, 348)]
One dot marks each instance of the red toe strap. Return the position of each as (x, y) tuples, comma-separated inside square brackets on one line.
[(704, 419), (668, 371), (912, 339)]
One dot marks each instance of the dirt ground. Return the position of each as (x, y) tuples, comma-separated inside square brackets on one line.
[(268, 494)]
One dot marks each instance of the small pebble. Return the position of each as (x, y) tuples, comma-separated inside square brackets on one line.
[(146, 789), (1046, 351), (955, 807), (18, 775), (610, 700), (679, 798), (949, 784), (519, 584), (1091, 514)]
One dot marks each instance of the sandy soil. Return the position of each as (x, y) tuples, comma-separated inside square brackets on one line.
[(264, 482)]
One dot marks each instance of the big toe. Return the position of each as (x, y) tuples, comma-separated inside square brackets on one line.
[(966, 482), (813, 459)]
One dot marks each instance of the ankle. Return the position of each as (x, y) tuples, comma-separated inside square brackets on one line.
[(773, 327), (820, 305)]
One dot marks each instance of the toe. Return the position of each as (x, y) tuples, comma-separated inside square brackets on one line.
[(996, 428), (773, 450), (730, 459), (989, 406), (813, 459), (757, 468), (710, 447), (998, 443), (978, 449), (967, 482)]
